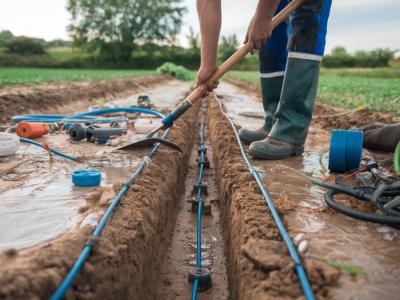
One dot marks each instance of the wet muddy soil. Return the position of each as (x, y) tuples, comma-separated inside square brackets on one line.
[(181, 254), (124, 262), (30, 212), (149, 243), (333, 236), (248, 225)]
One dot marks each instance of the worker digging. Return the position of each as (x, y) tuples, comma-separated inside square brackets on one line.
[(165, 190)]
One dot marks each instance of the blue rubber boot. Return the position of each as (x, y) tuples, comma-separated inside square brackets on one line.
[(294, 113), (271, 91)]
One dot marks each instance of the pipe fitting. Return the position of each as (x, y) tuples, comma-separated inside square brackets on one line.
[(202, 274), (200, 185)]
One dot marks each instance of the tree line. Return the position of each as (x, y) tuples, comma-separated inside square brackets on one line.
[(141, 34)]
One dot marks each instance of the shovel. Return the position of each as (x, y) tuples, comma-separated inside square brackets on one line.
[(168, 121)]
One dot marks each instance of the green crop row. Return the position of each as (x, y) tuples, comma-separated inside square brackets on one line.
[(34, 76), (350, 92)]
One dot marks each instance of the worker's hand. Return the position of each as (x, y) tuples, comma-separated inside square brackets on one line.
[(204, 73), (258, 33)]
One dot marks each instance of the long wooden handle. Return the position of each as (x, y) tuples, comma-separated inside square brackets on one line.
[(242, 52)]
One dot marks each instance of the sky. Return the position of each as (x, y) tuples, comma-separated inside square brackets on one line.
[(354, 24)]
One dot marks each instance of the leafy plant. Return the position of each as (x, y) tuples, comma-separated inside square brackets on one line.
[(351, 269), (100, 103), (178, 72)]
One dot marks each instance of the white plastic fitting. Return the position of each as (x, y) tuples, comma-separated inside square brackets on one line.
[(9, 144), (144, 126)]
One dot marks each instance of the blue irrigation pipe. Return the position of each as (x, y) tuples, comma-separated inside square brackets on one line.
[(53, 119), (114, 110), (52, 150), (59, 293), (293, 253), (198, 259), (84, 117)]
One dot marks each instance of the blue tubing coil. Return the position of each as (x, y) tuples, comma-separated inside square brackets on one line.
[(86, 177), (345, 150)]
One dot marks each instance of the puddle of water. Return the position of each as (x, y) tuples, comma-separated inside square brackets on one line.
[(43, 203), (46, 204), (341, 239), (39, 210)]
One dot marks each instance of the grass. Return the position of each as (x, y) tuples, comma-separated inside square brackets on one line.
[(350, 92), (366, 72), (35, 76)]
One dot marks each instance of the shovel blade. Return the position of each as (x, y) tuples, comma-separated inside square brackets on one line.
[(149, 142), (159, 127)]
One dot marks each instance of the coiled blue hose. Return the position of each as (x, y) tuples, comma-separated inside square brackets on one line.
[(52, 150), (198, 259), (293, 253), (59, 293), (345, 150)]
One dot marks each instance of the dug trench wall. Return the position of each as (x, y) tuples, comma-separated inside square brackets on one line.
[(248, 225), (124, 263)]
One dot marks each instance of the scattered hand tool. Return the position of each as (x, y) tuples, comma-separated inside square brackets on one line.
[(196, 94)]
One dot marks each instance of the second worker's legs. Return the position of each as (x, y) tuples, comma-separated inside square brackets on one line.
[(294, 112)]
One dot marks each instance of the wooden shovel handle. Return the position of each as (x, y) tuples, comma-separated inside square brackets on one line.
[(242, 52)]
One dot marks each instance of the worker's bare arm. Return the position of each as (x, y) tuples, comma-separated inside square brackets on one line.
[(209, 12), (260, 27)]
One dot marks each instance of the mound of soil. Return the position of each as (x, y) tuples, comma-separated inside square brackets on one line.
[(249, 228), (73, 98), (125, 259), (358, 118)]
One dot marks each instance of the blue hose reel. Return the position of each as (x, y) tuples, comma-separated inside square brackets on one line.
[(345, 150), (86, 177)]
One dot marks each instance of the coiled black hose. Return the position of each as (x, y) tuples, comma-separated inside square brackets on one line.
[(391, 215)]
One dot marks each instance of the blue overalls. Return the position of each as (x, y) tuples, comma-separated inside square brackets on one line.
[(304, 33)]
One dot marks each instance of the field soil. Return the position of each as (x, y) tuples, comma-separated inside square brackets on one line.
[(124, 261), (71, 97), (131, 259), (249, 228)]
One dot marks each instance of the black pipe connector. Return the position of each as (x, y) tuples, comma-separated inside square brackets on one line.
[(202, 274), (196, 200), (205, 162), (199, 150), (202, 186)]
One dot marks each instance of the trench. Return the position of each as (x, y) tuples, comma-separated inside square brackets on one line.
[(333, 236), (149, 244), (181, 253)]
